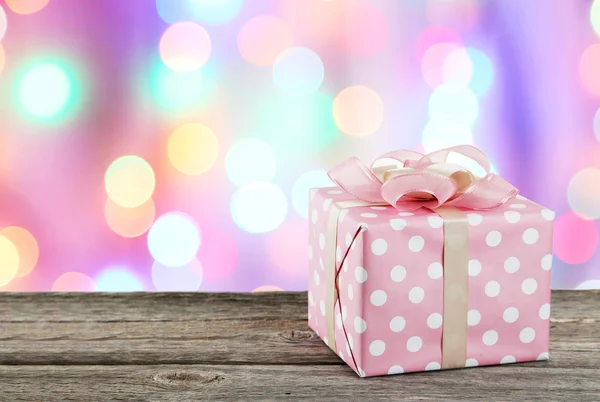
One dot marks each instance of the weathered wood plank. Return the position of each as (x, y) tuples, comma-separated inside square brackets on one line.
[(530, 381)]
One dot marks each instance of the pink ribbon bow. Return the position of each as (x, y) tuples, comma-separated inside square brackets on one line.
[(429, 181)]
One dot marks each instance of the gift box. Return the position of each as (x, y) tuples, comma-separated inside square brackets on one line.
[(423, 265)]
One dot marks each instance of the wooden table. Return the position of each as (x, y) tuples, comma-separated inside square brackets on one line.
[(202, 346)]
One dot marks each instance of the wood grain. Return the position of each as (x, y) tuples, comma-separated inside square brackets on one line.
[(103, 346)]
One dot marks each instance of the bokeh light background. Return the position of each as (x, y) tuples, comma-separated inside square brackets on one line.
[(169, 145)]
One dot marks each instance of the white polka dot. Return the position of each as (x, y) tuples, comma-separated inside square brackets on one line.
[(493, 238), (433, 366), (434, 321), (492, 289), (312, 193), (396, 370), (309, 315), (398, 273), (343, 214), (398, 224), (321, 241), (508, 359), (314, 216), (360, 325), (531, 236), (338, 254), (545, 311), (518, 206), (397, 324), (512, 216), (529, 286), (405, 214), (474, 219), (527, 335), (435, 270), (471, 363), (435, 221), (520, 197), (360, 274), (350, 292), (376, 348), (490, 337), (334, 192), (416, 295), (316, 278), (474, 267), (416, 244), (511, 314), (379, 247), (350, 341), (321, 264), (361, 372), (326, 341), (543, 356), (348, 239), (414, 344), (378, 298), (338, 320), (512, 265), (368, 215), (473, 317), (344, 313), (379, 208), (310, 252), (348, 348), (322, 307), (548, 215), (326, 204), (547, 262)]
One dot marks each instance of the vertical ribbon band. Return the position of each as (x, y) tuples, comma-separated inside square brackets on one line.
[(456, 277)]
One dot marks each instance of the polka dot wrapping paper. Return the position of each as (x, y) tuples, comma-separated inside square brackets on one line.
[(391, 284)]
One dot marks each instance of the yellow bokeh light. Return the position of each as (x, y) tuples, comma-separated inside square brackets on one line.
[(129, 222), (26, 246), (73, 282), (358, 111), (185, 46), (193, 148), (26, 6), (129, 181), (9, 261)]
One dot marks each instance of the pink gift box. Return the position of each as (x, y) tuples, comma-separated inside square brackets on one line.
[(389, 317)]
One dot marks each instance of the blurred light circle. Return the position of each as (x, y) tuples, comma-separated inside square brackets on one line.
[(444, 132), (358, 111), (583, 193), (595, 16), (172, 11), (185, 46), (45, 90), (249, 160), (597, 124), (458, 68), (118, 279), (174, 239), (129, 222), (483, 71), (302, 185), (26, 6), (575, 238), (218, 254), (589, 285), (215, 11), (259, 207), (2, 22), (193, 148), (289, 256), (9, 260), (264, 38), (434, 35), (177, 90), (26, 246), (73, 282), (460, 14), (432, 63), (366, 29), (186, 278), (298, 71), (458, 103), (589, 65), (267, 288), (129, 181)]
